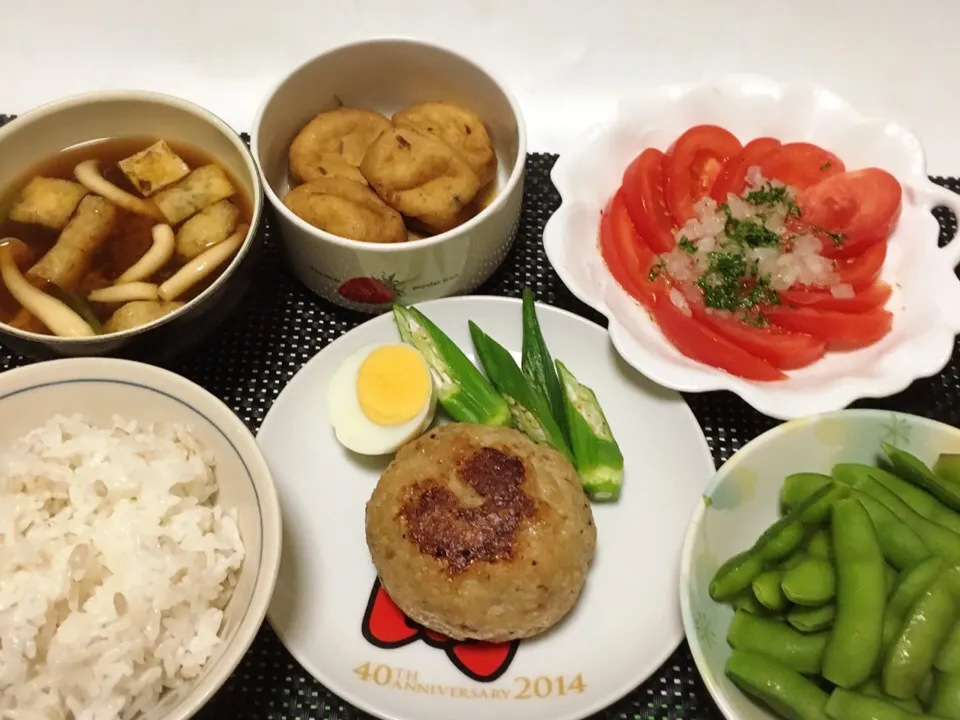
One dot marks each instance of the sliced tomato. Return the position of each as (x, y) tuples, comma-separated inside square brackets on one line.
[(701, 343), (859, 207), (733, 176), (841, 331), (643, 194), (800, 165), (692, 165), (782, 349), (862, 270), (629, 259), (870, 297)]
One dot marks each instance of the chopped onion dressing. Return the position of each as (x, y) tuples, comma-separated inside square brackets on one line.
[(740, 253)]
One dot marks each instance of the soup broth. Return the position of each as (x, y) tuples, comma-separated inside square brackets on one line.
[(108, 259)]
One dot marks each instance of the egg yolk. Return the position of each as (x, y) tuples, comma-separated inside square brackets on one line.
[(393, 385)]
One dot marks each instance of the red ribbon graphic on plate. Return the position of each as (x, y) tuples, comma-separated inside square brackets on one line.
[(385, 626)]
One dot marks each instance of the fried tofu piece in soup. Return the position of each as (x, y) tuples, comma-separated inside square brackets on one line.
[(47, 201)]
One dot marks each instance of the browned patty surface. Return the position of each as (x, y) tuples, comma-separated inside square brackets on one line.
[(479, 533)]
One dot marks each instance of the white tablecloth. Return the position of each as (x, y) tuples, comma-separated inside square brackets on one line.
[(567, 61)]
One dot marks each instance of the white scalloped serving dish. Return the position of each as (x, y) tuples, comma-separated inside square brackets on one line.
[(926, 297)]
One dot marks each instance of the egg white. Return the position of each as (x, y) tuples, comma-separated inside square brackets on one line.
[(354, 429)]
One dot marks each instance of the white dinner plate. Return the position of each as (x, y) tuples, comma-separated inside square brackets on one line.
[(328, 610)]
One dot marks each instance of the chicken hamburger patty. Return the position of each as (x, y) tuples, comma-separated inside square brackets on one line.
[(480, 533)]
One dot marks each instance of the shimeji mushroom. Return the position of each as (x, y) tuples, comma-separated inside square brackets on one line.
[(53, 313), (88, 175), (203, 265), (124, 293), (159, 254)]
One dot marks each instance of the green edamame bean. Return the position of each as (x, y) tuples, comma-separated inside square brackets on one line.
[(924, 631), (901, 546), (796, 650), (812, 582), (848, 705), (871, 688), (799, 486), (819, 545), (945, 699), (915, 471), (922, 502), (737, 573), (809, 620), (911, 587), (785, 691), (854, 642), (766, 588), (938, 539)]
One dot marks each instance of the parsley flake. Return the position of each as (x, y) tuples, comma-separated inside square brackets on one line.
[(687, 245)]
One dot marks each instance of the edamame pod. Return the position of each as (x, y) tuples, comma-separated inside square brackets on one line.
[(914, 650), (784, 542), (737, 573), (901, 546), (915, 471), (922, 502), (811, 620), (847, 705), (871, 688), (819, 545), (891, 576), (854, 642), (785, 691), (945, 700), (948, 659), (799, 486), (796, 650), (911, 587), (766, 587), (947, 468), (938, 539), (747, 602), (791, 562), (812, 582)]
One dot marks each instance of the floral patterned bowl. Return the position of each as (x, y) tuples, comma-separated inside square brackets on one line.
[(742, 500)]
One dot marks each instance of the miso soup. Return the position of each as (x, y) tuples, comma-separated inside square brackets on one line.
[(114, 234)]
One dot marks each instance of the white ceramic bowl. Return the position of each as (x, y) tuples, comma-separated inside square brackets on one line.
[(387, 75), (926, 291), (99, 388), (40, 134), (742, 501)]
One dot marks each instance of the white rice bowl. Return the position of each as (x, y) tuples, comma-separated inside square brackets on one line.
[(115, 566)]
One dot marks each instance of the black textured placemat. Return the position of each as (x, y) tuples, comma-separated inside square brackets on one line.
[(281, 325)]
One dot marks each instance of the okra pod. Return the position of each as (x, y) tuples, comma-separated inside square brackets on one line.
[(536, 363), (462, 390), (595, 450), (528, 409)]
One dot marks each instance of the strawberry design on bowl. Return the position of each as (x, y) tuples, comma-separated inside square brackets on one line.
[(371, 291)]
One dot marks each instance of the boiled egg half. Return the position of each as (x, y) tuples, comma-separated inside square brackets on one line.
[(380, 397)]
